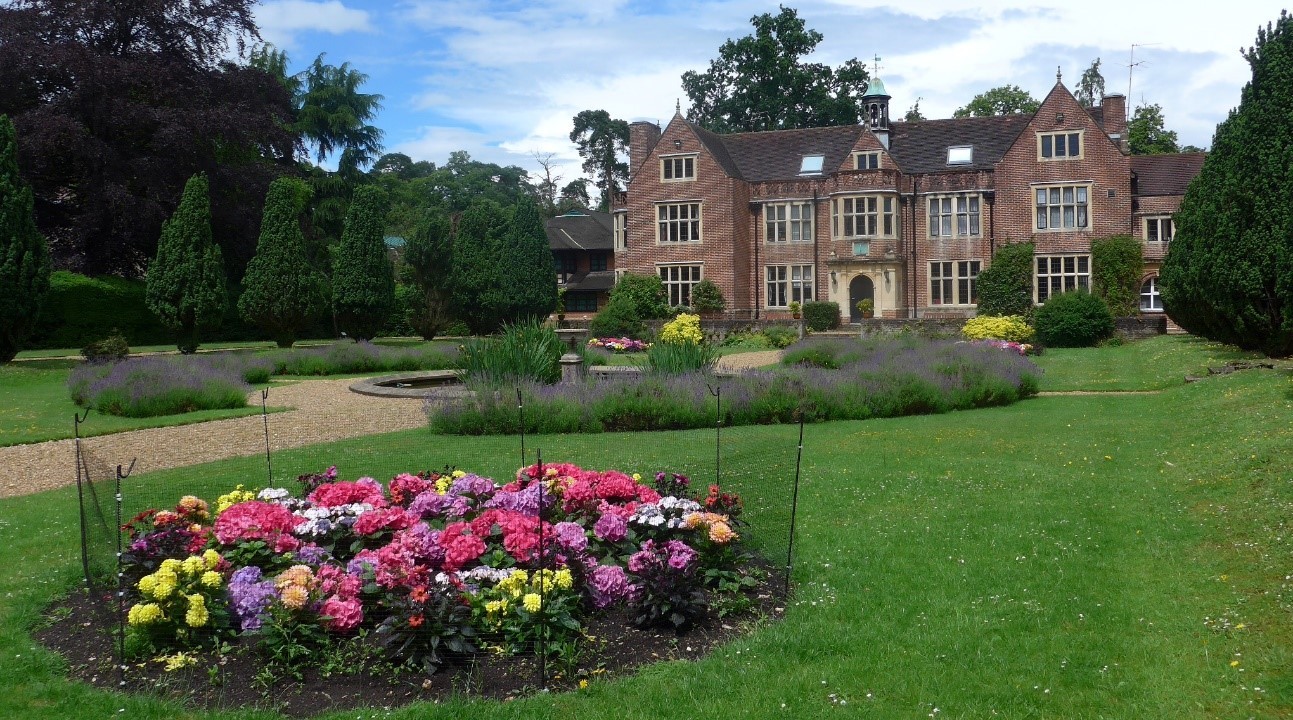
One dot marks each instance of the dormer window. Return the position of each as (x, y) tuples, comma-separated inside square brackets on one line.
[(1059, 145), (866, 161), (960, 155), (811, 165), (677, 168)]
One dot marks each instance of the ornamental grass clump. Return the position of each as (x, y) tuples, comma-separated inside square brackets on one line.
[(682, 348), (527, 350), (152, 386), (429, 568)]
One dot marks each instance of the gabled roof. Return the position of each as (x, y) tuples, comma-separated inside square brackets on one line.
[(1165, 174), (917, 147), (580, 230), (921, 147)]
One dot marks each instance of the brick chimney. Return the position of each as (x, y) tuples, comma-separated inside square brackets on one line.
[(643, 136), (1114, 110)]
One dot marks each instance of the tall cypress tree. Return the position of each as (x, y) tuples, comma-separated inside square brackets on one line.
[(282, 291), (186, 283), (24, 256), (529, 272), (1228, 274), (427, 257), (479, 297), (363, 283)]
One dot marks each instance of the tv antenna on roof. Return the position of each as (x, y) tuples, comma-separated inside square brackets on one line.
[(1131, 67)]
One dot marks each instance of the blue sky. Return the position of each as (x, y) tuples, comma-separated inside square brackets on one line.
[(502, 79)]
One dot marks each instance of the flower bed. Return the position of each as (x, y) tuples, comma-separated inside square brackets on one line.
[(619, 345), (431, 568)]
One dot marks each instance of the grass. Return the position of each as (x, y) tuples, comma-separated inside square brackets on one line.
[(1101, 556), (1152, 364)]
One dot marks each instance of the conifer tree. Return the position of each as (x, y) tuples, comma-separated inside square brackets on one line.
[(363, 283), (24, 256), (186, 282), (427, 257), (1228, 274), (479, 297), (282, 291), (529, 272)]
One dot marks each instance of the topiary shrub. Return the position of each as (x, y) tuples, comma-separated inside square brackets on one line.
[(1117, 267), (1006, 286), (706, 297), (822, 315), (1073, 319), (110, 349), (1013, 328), (618, 319)]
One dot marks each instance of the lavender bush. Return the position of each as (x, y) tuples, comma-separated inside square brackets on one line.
[(347, 357), (151, 386), (873, 378)]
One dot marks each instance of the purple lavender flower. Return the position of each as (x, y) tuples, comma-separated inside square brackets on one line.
[(250, 597), (611, 528)]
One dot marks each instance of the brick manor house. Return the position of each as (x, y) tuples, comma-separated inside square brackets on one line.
[(903, 213)]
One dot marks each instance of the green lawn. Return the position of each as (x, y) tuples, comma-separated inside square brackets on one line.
[(1152, 364), (1099, 556)]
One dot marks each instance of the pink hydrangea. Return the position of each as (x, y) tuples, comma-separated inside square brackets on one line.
[(363, 490), (460, 546), (611, 528), (608, 584), (405, 487), (377, 520), (343, 615), (256, 520)]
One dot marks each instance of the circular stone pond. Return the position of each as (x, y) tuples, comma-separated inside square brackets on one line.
[(412, 385)]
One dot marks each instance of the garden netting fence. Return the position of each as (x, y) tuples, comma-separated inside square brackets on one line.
[(766, 475)]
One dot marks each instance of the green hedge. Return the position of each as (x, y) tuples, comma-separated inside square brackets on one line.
[(822, 315), (80, 310)]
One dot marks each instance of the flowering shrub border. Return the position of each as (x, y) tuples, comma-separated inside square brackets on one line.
[(432, 566), (619, 345)]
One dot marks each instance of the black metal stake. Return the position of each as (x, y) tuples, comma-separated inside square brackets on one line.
[(520, 413), (264, 414), (81, 478), (794, 507), (121, 590), (717, 392), (543, 618)]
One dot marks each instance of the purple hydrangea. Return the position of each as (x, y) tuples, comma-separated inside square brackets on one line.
[(432, 504), (523, 501), (250, 597), (571, 536), (473, 485), (311, 554), (363, 560), (608, 585), (681, 555), (611, 528)]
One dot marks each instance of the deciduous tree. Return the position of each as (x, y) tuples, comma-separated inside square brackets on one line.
[(1090, 89), (363, 282), (1146, 134), (1004, 100), (186, 281), (24, 257), (282, 291), (761, 82), (1228, 274)]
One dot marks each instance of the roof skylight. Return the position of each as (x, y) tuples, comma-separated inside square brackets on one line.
[(811, 165), (960, 155)]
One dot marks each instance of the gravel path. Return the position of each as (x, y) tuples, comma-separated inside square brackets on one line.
[(322, 411)]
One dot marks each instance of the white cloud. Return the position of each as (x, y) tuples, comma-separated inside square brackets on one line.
[(281, 20)]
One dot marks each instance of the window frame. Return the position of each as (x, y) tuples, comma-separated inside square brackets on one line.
[(1157, 221), (694, 223), (1081, 278), (973, 218), (1081, 209), (670, 163), (960, 155), (786, 224), (959, 287), (885, 216), (1153, 295), (597, 261), (579, 301), (780, 281), (620, 230), (1043, 147), (872, 160), (679, 288)]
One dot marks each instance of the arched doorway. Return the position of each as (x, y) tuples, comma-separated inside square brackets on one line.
[(860, 288)]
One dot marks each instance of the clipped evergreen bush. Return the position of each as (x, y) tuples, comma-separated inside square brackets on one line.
[(24, 256), (647, 293), (618, 319), (1006, 286), (80, 309), (110, 349), (706, 297), (1013, 328), (820, 315), (186, 283), (282, 292), (1117, 267), (363, 282), (1073, 319)]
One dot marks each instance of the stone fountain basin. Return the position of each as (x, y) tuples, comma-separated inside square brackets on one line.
[(423, 384)]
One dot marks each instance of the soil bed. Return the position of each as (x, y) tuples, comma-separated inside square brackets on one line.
[(79, 627)]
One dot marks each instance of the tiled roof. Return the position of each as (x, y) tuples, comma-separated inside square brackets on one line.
[(917, 147), (1165, 174), (921, 147), (580, 230), (591, 281)]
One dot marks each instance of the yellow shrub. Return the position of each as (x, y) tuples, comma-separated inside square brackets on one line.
[(683, 329), (998, 327)]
